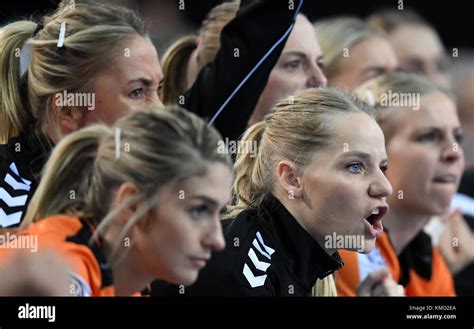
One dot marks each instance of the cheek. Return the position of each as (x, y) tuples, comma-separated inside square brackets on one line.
[(411, 167), (341, 199), (108, 109), (281, 84)]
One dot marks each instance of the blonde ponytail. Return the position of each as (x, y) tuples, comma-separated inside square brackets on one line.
[(14, 111), (249, 183), (67, 175), (325, 287), (175, 63)]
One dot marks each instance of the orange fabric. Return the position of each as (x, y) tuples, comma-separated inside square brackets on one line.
[(441, 283), (52, 233), (348, 278)]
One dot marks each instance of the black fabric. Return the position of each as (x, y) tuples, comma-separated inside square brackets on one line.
[(256, 28), (21, 162), (417, 255), (297, 261), (83, 237)]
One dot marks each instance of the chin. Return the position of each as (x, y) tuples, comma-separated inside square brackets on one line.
[(369, 245)]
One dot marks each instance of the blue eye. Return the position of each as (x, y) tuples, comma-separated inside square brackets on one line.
[(137, 93), (354, 168)]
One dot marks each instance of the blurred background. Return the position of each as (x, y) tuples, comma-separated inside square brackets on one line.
[(168, 20)]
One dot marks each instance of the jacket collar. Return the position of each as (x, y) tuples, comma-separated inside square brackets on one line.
[(305, 258)]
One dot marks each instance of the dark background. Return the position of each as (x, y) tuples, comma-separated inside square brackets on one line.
[(453, 19)]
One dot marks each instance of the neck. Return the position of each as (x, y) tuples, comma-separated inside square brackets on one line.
[(403, 227), (127, 273)]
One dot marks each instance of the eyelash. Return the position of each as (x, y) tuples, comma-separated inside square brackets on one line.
[(354, 164), (290, 64), (430, 136), (138, 89), (199, 211), (382, 168)]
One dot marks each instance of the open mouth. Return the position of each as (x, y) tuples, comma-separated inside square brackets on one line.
[(373, 222), (445, 179)]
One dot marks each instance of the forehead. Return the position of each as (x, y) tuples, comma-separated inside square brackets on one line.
[(138, 58), (357, 131), (373, 51), (303, 38), (416, 40), (214, 184), (436, 110)]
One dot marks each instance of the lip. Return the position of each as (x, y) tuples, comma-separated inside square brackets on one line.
[(373, 222), (199, 262), (446, 179)]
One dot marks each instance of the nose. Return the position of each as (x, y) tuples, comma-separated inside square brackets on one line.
[(214, 238), (452, 152), (380, 187), (316, 78)]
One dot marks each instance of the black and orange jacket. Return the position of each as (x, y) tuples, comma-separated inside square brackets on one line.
[(267, 253), (69, 238), (420, 268)]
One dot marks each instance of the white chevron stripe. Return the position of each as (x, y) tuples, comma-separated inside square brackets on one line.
[(12, 201), (9, 220), (15, 184), (15, 170), (255, 281), (269, 250), (262, 266), (257, 246)]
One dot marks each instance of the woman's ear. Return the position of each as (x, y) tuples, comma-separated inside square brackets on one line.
[(126, 191), (287, 175), (68, 119)]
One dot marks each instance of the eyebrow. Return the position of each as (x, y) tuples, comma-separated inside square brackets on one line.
[(303, 55), (206, 199), (145, 81), (362, 155)]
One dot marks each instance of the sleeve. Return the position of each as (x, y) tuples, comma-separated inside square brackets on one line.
[(85, 275), (227, 89)]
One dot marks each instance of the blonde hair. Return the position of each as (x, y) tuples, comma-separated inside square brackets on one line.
[(297, 127), (388, 20), (166, 147), (340, 33), (95, 35), (376, 90), (325, 287), (206, 46)]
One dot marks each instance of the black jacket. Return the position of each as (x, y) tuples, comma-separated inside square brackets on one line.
[(21, 161), (267, 254)]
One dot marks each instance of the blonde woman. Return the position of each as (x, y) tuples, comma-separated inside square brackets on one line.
[(120, 220), (423, 137), (416, 43), (316, 181), (353, 51), (82, 64)]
